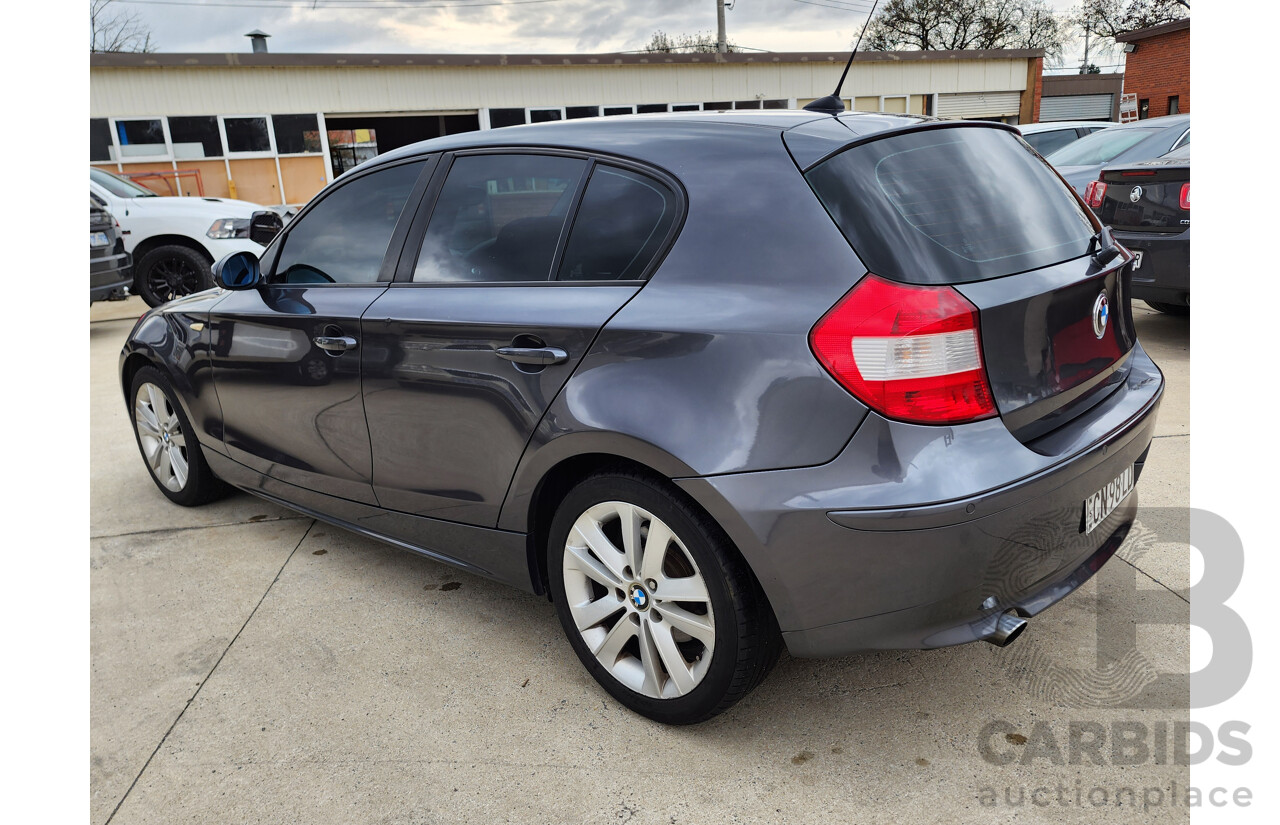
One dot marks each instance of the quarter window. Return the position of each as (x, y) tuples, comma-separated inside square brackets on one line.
[(343, 239), (498, 218), (623, 220)]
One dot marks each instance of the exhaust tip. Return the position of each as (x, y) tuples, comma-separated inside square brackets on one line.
[(1008, 627)]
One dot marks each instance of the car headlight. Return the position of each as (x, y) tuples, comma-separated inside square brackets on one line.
[(224, 228)]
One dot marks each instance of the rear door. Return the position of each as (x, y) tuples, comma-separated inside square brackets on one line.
[(497, 297), (286, 356)]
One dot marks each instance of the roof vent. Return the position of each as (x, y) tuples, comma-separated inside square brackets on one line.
[(259, 39)]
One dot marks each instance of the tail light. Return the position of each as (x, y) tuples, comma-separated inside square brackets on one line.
[(1094, 193), (1184, 197), (912, 353)]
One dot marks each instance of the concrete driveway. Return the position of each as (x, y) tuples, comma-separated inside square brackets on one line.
[(252, 665)]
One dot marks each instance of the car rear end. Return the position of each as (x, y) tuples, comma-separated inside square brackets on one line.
[(1148, 207), (110, 267), (1010, 405)]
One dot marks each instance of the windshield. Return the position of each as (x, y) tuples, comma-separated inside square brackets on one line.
[(1099, 147), (119, 187)]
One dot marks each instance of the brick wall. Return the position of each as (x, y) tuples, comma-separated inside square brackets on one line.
[(1160, 68)]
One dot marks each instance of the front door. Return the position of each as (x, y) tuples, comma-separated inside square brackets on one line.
[(286, 359)]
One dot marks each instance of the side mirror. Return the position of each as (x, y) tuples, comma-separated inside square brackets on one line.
[(238, 270), (264, 226)]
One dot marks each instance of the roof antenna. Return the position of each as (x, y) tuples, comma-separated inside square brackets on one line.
[(832, 104)]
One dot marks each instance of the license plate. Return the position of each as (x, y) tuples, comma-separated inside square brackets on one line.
[(98, 239), (1104, 502), (1137, 259)]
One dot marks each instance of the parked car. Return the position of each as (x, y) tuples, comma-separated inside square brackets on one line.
[(1148, 207), (1047, 138), (110, 267), (1080, 162), (173, 240), (708, 413)]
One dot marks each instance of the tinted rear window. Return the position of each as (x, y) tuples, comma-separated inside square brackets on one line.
[(946, 206), (1100, 147)]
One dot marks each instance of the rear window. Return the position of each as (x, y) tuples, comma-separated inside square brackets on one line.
[(1100, 147), (947, 206)]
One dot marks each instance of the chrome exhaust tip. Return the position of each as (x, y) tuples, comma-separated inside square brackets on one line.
[(1008, 627)]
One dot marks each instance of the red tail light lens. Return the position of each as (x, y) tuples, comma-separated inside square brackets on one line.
[(1184, 198), (1094, 193), (912, 353)]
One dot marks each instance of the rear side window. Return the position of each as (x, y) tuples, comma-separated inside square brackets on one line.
[(946, 206), (1048, 142), (1101, 147), (498, 219), (343, 239), (621, 224)]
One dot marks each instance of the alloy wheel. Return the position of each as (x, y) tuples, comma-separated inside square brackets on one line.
[(160, 435), (638, 600), (174, 277)]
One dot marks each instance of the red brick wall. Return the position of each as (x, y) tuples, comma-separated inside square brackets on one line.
[(1160, 68)]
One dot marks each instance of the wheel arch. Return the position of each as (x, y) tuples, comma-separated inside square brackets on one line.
[(147, 245)]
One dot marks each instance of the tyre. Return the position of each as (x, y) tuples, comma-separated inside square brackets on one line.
[(655, 600), (1169, 309), (168, 443), (169, 272)]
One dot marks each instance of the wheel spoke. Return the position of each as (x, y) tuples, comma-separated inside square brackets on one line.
[(164, 470), (146, 419), (655, 550), (151, 450), (156, 399), (650, 660), (684, 589), (176, 439), (699, 627), (631, 540), (583, 562), (178, 463), (674, 663), (590, 614), (608, 650), (587, 531)]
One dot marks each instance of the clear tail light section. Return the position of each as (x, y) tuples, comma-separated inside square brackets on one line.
[(912, 353), (1094, 193), (1184, 197)]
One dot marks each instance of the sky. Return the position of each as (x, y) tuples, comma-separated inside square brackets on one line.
[(499, 26)]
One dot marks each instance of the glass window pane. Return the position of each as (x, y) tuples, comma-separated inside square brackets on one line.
[(717, 105), (247, 134), (746, 104), (544, 115), (296, 134), (775, 104), (498, 218), (99, 139), (651, 108), (195, 137), (611, 111), (686, 107), (1048, 142), (506, 117), (344, 238), (621, 224), (140, 138), (575, 112)]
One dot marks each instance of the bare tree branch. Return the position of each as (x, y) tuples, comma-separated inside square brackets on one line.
[(116, 30)]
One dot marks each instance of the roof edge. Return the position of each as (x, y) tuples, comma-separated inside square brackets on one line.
[(1154, 31)]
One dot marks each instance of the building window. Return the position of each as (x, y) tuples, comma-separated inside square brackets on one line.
[(685, 107), (99, 139), (1144, 109), (506, 117), (195, 137), (247, 134), (545, 115), (575, 112), (296, 134), (775, 104), (651, 108), (141, 138), (1173, 105), (746, 104), (612, 111), (717, 105)]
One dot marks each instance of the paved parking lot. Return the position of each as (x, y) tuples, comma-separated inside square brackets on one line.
[(252, 665)]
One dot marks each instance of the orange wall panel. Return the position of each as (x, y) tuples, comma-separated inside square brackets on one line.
[(213, 175), (303, 178), (256, 181)]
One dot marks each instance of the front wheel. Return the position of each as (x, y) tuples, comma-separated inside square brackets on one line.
[(169, 272), (656, 602), (168, 443)]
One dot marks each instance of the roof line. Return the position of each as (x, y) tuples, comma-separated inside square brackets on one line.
[(1154, 31)]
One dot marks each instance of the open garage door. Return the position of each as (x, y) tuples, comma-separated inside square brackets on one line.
[(354, 138)]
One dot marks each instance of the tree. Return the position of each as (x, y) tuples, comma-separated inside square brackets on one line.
[(702, 42), (966, 24), (117, 30), (1108, 18)]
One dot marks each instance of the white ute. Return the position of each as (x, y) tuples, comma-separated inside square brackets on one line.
[(174, 240)]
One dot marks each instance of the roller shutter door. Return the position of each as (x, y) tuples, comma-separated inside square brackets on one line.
[(979, 104), (1075, 107)]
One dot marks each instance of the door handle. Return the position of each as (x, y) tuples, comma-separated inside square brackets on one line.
[(334, 343), (537, 356)]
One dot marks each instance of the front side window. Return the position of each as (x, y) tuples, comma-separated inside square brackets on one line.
[(620, 227), (498, 218), (343, 239)]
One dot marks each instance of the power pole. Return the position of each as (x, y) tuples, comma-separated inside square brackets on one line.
[(722, 44), (1084, 67)]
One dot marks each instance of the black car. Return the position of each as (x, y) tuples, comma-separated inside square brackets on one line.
[(110, 267), (713, 382), (1148, 207)]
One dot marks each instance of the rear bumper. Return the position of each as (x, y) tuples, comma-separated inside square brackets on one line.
[(108, 275), (1165, 275), (852, 556)]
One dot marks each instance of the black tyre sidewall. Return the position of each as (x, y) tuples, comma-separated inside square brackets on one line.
[(706, 698), (202, 485), (194, 258)]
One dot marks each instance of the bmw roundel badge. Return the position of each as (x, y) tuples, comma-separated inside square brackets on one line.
[(1100, 314)]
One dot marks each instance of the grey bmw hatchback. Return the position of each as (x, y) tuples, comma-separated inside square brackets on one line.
[(714, 383)]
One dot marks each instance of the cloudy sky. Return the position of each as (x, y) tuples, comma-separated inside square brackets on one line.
[(496, 26)]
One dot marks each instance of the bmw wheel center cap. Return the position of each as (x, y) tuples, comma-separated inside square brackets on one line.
[(639, 598)]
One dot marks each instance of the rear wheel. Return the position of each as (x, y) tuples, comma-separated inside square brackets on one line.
[(168, 444), (169, 272), (1169, 309), (655, 600)]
